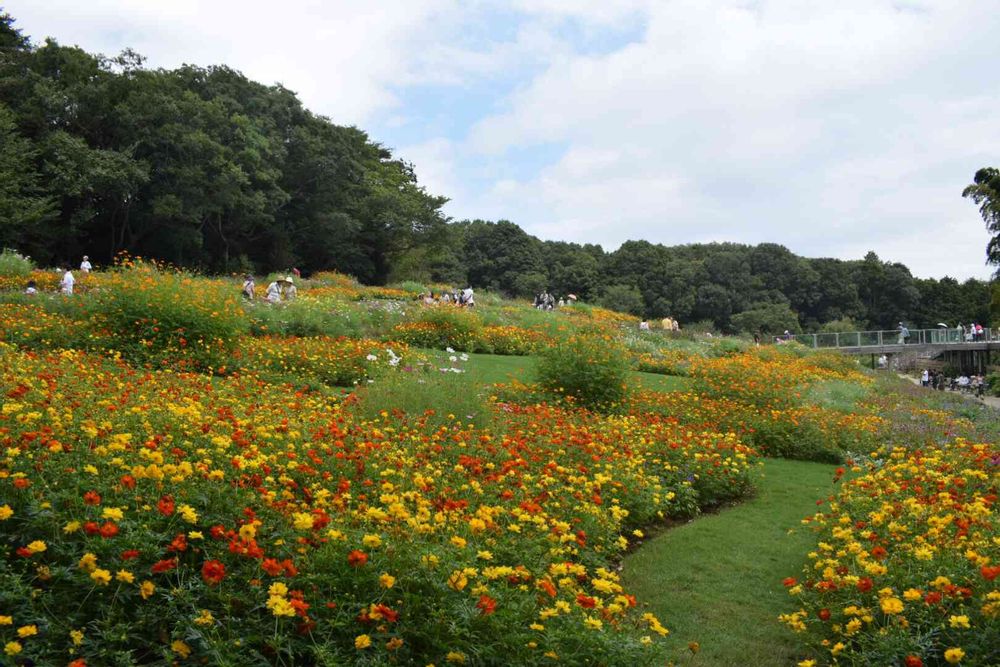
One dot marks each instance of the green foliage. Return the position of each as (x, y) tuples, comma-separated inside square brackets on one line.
[(622, 298), (767, 319), (154, 316), (589, 369), (435, 391), (13, 263), (985, 193)]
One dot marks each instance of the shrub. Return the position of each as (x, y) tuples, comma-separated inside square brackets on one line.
[(314, 362), (14, 264), (439, 328), (590, 369), (168, 318)]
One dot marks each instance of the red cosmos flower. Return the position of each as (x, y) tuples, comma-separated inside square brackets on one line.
[(357, 558), (788, 582), (91, 498), (300, 606), (990, 572), (91, 528), (932, 598), (824, 614), (166, 505), (548, 587), (272, 567), (79, 662), (218, 532), (22, 483), (23, 552), (388, 613), (213, 572), (865, 585), (109, 529), (289, 567), (164, 565), (130, 554), (179, 543), (879, 553), (128, 481), (486, 605), (913, 661), (585, 601)]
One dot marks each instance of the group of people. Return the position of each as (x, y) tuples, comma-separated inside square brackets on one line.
[(667, 324), (68, 280), (933, 379), (278, 290), (970, 334), (465, 297)]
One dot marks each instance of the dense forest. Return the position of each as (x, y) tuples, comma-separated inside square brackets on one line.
[(203, 168)]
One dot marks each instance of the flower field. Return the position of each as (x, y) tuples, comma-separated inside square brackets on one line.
[(185, 479), (156, 515), (905, 570)]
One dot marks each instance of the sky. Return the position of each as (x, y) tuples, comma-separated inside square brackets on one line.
[(833, 128)]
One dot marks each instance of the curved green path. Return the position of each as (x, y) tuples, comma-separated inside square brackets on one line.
[(717, 580)]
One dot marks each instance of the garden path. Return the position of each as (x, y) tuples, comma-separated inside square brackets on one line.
[(717, 580)]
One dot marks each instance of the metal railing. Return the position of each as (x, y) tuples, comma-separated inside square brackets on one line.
[(939, 336)]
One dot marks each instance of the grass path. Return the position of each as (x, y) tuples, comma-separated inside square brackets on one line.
[(717, 580)]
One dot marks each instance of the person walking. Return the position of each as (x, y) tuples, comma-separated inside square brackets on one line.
[(904, 334), (85, 265), (925, 378)]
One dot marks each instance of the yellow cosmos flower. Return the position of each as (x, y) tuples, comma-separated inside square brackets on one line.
[(101, 577), (124, 576), (88, 562), (5, 512), (37, 547), (146, 589), (180, 648), (12, 648), (76, 636), (71, 527), (204, 618), (362, 642), (112, 513), (455, 657), (371, 541), (959, 622), (27, 631), (892, 605), (387, 580), (6, 620), (954, 655)]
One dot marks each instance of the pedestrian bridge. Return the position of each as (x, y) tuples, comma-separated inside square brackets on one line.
[(925, 342)]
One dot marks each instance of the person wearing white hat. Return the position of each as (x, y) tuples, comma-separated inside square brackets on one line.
[(85, 265), (290, 292)]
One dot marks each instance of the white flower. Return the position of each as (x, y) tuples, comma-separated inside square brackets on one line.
[(371, 357), (449, 350), (453, 358), (463, 356)]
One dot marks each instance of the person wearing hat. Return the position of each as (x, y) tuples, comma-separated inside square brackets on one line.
[(273, 292), (290, 292), (85, 265)]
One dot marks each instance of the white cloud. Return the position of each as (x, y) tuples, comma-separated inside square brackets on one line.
[(833, 127)]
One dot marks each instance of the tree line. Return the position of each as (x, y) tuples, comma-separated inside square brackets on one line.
[(204, 168)]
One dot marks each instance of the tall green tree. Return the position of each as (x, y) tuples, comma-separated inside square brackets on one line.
[(985, 193)]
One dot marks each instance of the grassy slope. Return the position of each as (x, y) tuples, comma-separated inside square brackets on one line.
[(493, 368), (717, 580)]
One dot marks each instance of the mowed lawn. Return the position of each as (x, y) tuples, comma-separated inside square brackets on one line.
[(717, 579)]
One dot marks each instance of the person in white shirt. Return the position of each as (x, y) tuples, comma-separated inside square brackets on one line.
[(468, 297), (66, 285), (925, 378), (85, 265), (273, 293), (31, 288)]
